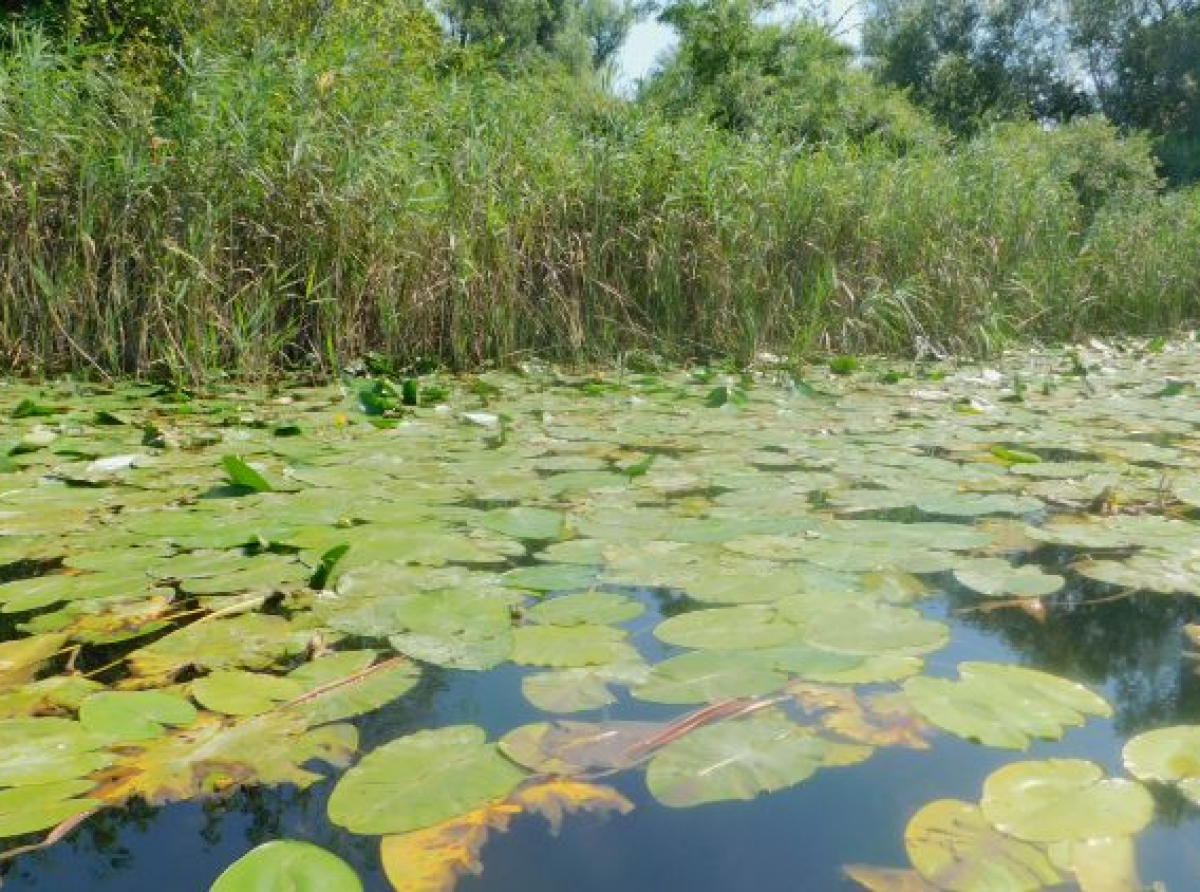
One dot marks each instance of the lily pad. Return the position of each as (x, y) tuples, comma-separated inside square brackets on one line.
[(741, 760), (570, 646), (41, 806), (435, 774), (535, 524), (1167, 756), (727, 628), (598, 608), (343, 685), (286, 865), (1061, 800), (996, 578), (551, 577), (869, 629), (1003, 706), (46, 750), (567, 690), (708, 676), (134, 715), (458, 630), (953, 846), (244, 693)]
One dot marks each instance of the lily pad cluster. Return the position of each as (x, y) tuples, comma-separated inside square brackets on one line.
[(204, 590), (1038, 825)]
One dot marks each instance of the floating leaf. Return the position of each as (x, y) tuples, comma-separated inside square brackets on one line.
[(954, 847), (1167, 756), (598, 608), (870, 629), (46, 750), (41, 806), (569, 748), (535, 524), (286, 865), (570, 646), (1100, 865), (1062, 800), (887, 879), (995, 578), (874, 719), (437, 774), (551, 577), (431, 860), (253, 641), (340, 686), (707, 677), (555, 799), (212, 756), (727, 628), (567, 690), (243, 476), (741, 760), (21, 659), (129, 716), (457, 630), (1003, 705), (55, 694), (243, 693)]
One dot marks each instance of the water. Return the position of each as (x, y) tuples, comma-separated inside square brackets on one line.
[(796, 839), (662, 492)]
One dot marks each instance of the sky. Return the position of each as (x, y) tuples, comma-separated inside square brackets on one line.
[(645, 43)]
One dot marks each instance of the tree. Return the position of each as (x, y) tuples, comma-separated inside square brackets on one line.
[(1156, 87), (579, 32), (971, 62), (789, 79)]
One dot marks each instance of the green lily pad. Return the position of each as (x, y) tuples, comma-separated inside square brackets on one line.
[(996, 578), (244, 693), (1167, 756), (567, 690), (458, 630), (134, 715), (708, 676), (343, 685), (952, 845), (21, 659), (741, 760), (552, 577), (1168, 572), (727, 628), (46, 750), (287, 865), (243, 476), (868, 629), (252, 641), (596, 608), (42, 806), (1003, 706), (570, 646), (534, 524), (1061, 800), (435, 774)]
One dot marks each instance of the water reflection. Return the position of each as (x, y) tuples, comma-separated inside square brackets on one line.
[(1132, 644), (1132, 647)]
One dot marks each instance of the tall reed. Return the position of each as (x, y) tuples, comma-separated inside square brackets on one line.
[(295, 205)]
